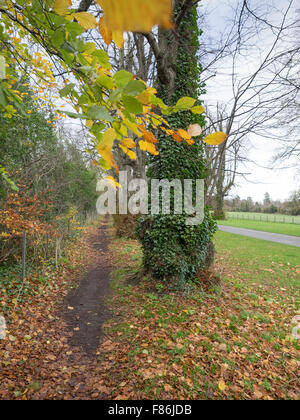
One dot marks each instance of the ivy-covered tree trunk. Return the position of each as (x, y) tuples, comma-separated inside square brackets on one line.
[(174, 251)]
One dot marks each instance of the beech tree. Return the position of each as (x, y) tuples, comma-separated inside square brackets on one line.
[(48, 41), (173, 251)]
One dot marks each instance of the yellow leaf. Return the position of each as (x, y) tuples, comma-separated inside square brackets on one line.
[(86, 20), (144, 97), (105, 31), (131, 154), (148, 136), (132, 126), (128, 152), (222, 385), (61, 6), (215, 139), (136, 15), (113, 182), (123, 130), (198, 109), (127, 142), (108, 138), (118, 38), (143, 145), (175, 136), (148, 147), (184, 134), (190, 142), (104, 147), (194, 130)]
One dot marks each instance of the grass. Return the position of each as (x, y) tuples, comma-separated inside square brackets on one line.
[(233, 342), (274, 227)]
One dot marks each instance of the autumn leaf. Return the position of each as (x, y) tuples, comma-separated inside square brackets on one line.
[(185, 103), (113, 182), (61, 6), (104, 147), (148, 147), (105, 32), (128, 152), (128, 142), (184, 134), (222, 385), (131, 154), (148, 136), (86, 20), (175, 135), (168, 388), (199, 109), (136, 15), (194, 130), (215, 139), (118, 38)]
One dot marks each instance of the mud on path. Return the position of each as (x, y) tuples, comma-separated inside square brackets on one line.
[(86, 310)]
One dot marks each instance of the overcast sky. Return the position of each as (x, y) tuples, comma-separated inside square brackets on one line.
[(279, 183)]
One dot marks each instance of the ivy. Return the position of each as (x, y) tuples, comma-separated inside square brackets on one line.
[(173, 251)]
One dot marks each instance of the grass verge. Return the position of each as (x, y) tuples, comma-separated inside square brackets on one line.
[(231, 343), (283, 228)]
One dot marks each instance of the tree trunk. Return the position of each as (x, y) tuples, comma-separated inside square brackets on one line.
[(173, 251)]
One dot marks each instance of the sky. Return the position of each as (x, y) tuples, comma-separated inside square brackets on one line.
[(261, 177)]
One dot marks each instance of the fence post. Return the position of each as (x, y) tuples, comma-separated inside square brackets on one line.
[(23, 267)]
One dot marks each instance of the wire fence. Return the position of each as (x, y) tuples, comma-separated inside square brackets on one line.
[(50, 246), (262, 217)]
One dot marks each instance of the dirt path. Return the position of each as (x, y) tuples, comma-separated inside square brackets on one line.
[(86, 309)]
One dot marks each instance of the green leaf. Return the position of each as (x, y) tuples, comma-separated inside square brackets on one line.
[(76, 115), (154, 100), (73, 28), (2, 67), (105, 81), (132, 105), (67, 89), (115, 95), (122, 78), (102, 59), (134, 88), (104, 164), (3, 97), (185, 103), (58, 38), (97, 128), (96, 112)]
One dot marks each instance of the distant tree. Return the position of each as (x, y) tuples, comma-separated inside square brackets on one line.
[(267, 199)]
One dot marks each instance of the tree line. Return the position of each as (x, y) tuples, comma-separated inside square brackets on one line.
[(290, 206)]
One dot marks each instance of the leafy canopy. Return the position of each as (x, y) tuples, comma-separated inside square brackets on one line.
[(46, 39)]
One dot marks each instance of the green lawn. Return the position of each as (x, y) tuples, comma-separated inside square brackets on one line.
[(274, 227), (263, 263)]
